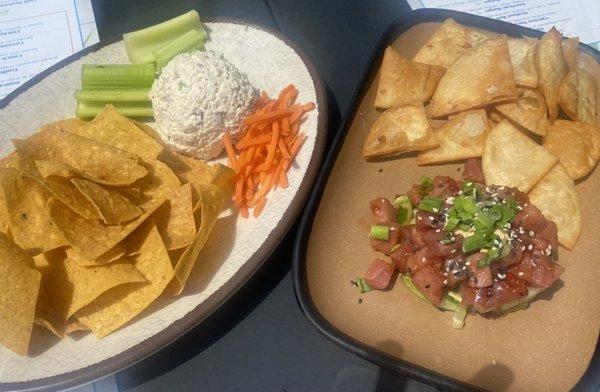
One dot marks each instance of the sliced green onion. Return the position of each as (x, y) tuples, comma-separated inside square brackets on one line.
[(455, 295), (129, 109), (109, 96), (491, 256), (484, 220), (117, 77), (380, 232), (451, 224), (188, 42), (431, 204), (405, 210), (363, 286), (458, 317), (407, 280), (448, 303), (474, 242), (426, 184)]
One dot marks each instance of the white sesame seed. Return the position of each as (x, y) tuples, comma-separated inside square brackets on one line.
[(521, 273), (453, 251), (419, 218), (519, 208), (436, 209), (437, 230), (523, 247), (423, 259), (445, 281), (549, 247), (445, 274), (392, 228), (530, 247), (525, 205), (431, 218), (531, 233), (468, 263), (501, 188)]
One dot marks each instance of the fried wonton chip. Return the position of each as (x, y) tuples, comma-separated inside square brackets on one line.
[(450, 41), (403, 82), (91, 238), (113, 254), (97, 161), (19, 287), (576, 144), (111, 206), (522, 58), (67, 286), (158, 185), (398, 130), (555, 195), (481, 77), (529, 111), (578, 94), (117, 306), (30, 223), (175, 219), (552, 68), (460, 138), (208, 210), (570, 49), (512, 159)]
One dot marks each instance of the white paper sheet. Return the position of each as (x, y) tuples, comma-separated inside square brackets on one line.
[(574, 18), (35, 34)]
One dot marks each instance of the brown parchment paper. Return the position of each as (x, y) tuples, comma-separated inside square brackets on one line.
[(544, 348)]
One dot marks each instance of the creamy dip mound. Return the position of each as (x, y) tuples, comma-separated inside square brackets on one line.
[(197, 98)]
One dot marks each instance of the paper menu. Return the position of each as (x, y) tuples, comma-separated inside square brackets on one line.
[(35, 34), (573, 18)]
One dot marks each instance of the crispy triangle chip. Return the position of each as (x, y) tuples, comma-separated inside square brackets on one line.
[(403, 82), (528, 111), (398, 130), (481, 77), (522, 58), (555, 195), (512, 159), (552, 68)]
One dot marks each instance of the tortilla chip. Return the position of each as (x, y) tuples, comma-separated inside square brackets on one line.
[(522, 58), (19, 286), (399, 130), (76, 326), (555, 195), (175, 219), (118, 306), (570, 49), (576, 144), (403, 82), (113, 254), (481, 77), (30, 223), (476, 37), (450, 41), (54, 168), (111, 206), (208, 210), (202, 174), (529, 111), (552, 68), (578, 94), (91, 238), (68, 287), (112, 128), (97, 161), (460, 138), (157, 186), (512, 159)]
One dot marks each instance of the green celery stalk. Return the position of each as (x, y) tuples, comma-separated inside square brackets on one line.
[(137, 95), (121, 76), (141, 44), (129, 109), (188, 42)]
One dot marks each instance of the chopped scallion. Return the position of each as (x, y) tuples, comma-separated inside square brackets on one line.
[(363, 286), (380, 232), (431, 204)]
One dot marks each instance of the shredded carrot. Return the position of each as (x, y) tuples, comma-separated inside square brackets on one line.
[(265, 153)]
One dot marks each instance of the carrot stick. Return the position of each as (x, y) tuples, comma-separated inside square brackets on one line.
[(229, 149), (239, 189), (249, 143), (283, 180), (283, 148), (272, 147), (244, 212), (266, 117)]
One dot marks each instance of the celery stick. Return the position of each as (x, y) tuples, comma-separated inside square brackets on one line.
[(137, 95), (188, 42), (130, 109), (122, 76), (141, 44)]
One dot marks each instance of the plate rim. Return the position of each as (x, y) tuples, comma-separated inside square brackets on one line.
[(299, 276), (193, 318)]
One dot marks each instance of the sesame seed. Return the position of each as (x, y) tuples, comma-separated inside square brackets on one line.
[(549, 247), (392, 228), (423, 259), (501, 188), (521, 273), (453, 251), (431, 218), (519, 208), (530, 247), (445, 281), (495, 280), (531, 233), (445, 274), (464, 268), (437, 230), (525, 205), (419, 218), (468, 263), (523, 247)]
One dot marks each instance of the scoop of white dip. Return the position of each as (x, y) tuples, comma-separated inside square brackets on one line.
[(198, 97)]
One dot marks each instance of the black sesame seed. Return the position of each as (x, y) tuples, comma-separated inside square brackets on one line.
[(360, 300)]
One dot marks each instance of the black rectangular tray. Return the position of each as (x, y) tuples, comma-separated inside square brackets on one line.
[(590, 381)]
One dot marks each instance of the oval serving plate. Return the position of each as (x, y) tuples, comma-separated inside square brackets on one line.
[(546, 347), (236, 248)]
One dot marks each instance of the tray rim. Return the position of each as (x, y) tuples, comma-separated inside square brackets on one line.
[(300, 280), (195, 317)]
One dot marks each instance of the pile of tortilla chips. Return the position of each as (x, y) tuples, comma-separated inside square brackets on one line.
[(526, 106), (98, 219)]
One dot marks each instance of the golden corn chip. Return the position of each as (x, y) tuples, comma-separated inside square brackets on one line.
[(555, 195), (403, 82), (30, 223), (398, 130), (97, 161), (512, 159), (462, 137), (76, 326), (113, 254), (91, 238), (450, 41), (528, 111), (201, 174), (552, 68), (157, 186), (570, 49), (175, 219), (522, 58), (111, 206), (208, 210), (117, 306), (481, 77), (19, 287), (54, 169), (67, 286), (576, 144)]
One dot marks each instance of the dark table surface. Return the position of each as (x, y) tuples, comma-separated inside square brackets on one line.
[(259, 340)]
